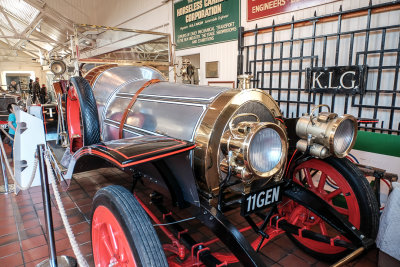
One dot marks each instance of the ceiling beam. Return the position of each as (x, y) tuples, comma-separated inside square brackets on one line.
[(60, 47), (35, 45), (3, 26), (55, 15), (2, 33), (27, 52), (18, 50), (58, 17), (51, 13), (16, 59), (18, 56), (8, 19), (44, 11), (30, 39), (58, 44), (29, 29), (32, 54)]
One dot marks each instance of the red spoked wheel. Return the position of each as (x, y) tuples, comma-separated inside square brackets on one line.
[(344, 187), (122, 234), (112, 246)]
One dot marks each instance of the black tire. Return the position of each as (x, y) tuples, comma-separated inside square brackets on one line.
[(367, 203), (136, 225), (89, 113)]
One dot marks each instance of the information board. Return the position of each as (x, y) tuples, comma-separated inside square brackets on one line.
[(203, 22), (257, 9)]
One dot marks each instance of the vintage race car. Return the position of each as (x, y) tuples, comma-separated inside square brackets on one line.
[(211, 150)]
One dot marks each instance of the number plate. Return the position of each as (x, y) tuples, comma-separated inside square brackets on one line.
[(261, 199)]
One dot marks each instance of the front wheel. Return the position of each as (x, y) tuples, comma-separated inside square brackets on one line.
[(122, 234), (344, 187)]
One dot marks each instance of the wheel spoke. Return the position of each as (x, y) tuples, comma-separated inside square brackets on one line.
[(123, 254), (308, 177), (333, 194), (313, 173), (297, 178), (96, 238), (321, 183), (322, 226), (106, 241), (342, 210), (113, 240), (123, 258), (332, 181)]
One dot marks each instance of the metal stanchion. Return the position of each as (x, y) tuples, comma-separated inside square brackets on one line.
[(47, 207), (53, 261)]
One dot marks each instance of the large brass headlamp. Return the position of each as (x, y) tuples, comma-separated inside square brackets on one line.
[(254, 149), (326, 134)]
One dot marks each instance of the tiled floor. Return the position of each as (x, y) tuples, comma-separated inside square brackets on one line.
[(22, 226)]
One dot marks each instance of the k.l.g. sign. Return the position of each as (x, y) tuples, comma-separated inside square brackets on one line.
[(342, 79)]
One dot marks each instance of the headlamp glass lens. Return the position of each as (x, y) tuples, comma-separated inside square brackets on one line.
[(265, 150), (343, 136)]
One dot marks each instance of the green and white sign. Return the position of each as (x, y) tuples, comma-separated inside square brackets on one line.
[(202, 22)]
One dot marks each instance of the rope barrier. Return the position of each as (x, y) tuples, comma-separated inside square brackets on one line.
[(75, 247)]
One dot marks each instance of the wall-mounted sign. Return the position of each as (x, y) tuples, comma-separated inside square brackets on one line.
[(343, 80), (257, 9), (202, 22), (212, 69)]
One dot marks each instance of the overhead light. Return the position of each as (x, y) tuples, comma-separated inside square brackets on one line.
[(86, 42), (38, 28)]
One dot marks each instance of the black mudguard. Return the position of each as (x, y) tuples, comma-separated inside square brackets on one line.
[(165, 160)]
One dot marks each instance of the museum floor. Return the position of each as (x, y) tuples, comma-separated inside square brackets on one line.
[(22, 226)]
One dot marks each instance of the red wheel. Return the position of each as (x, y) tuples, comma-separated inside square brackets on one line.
[(344, 187), (122, 234), (112, 247)]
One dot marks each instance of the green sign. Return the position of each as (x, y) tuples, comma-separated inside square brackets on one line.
[(202, 22)]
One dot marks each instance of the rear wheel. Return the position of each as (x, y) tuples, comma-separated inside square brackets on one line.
[(122, 234), (344, 187)]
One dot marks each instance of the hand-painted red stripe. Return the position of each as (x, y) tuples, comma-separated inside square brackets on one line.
[(103, 155), (77, 154), (138, 155)]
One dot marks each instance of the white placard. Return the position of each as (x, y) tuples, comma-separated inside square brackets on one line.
[(25, 146)]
